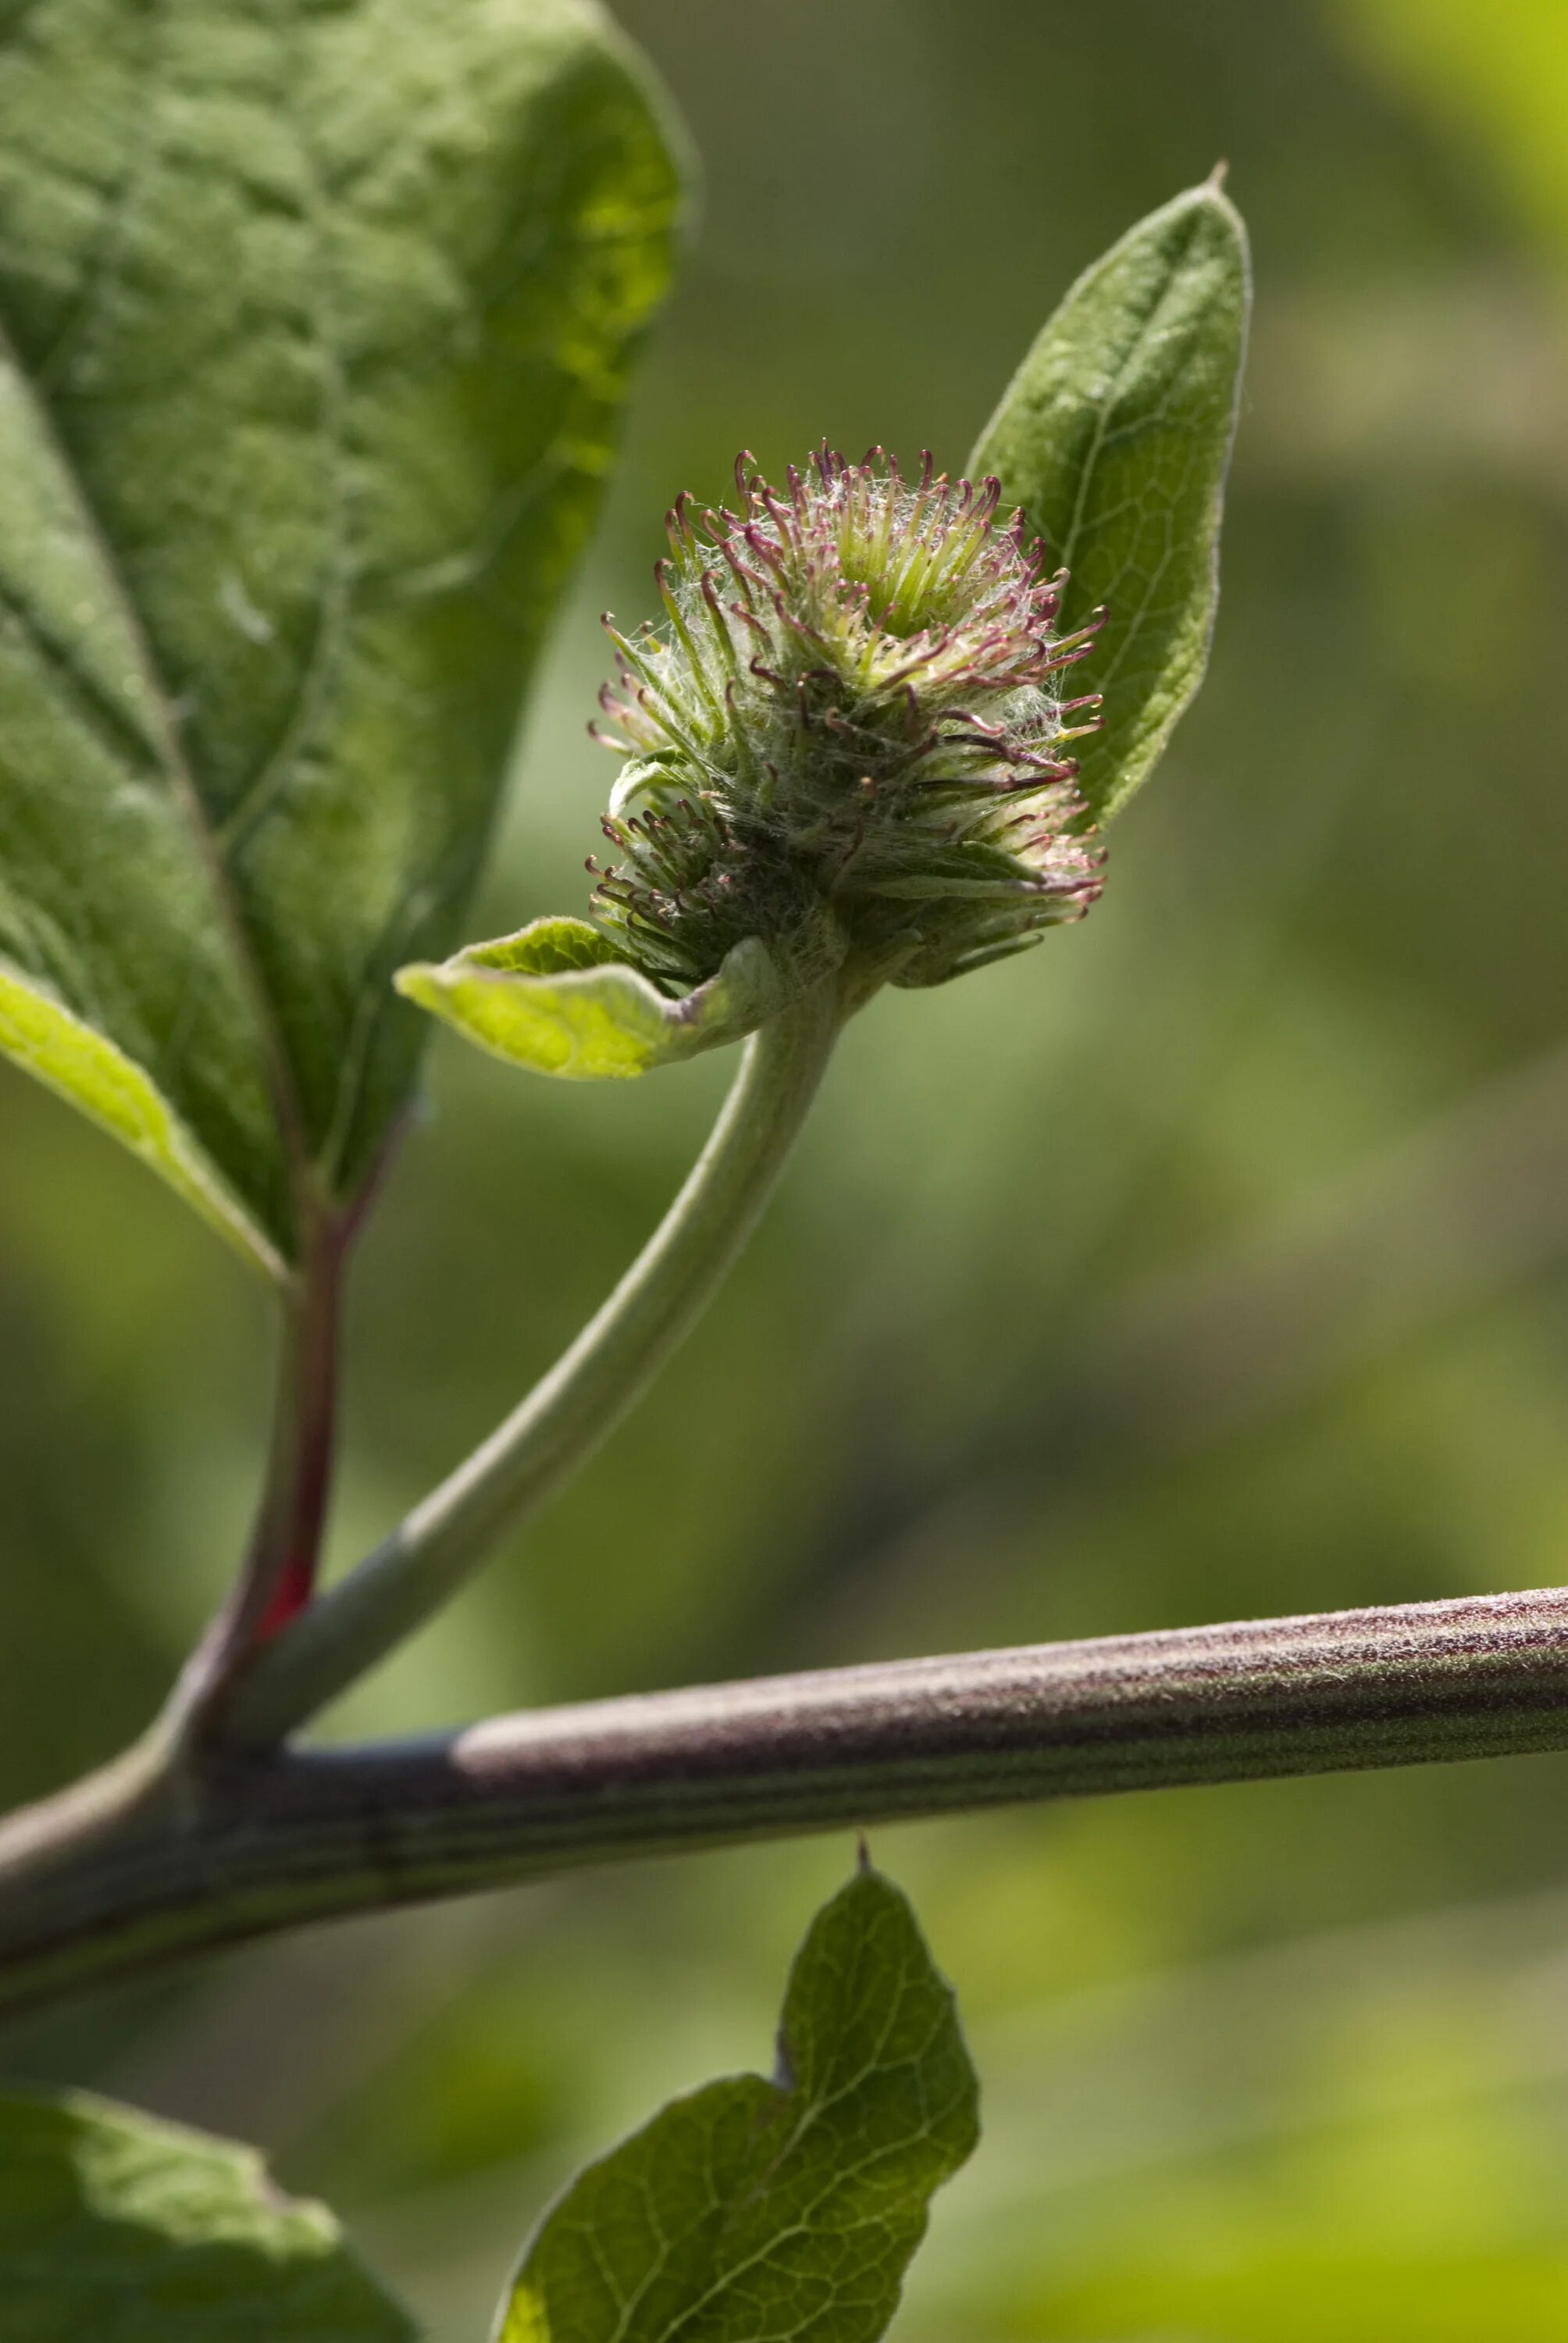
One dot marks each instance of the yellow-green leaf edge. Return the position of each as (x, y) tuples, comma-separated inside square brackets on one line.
[(43, 1037)]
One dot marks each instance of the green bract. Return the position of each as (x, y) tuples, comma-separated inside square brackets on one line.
[(315, 325), (851, 719), (1115, 437), (844, 744), (583, 1013), (844, 756)]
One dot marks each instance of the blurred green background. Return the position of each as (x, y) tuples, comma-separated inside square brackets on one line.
[(1209, 1262)]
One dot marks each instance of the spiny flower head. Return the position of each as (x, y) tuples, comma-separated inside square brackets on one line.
[(846, 739)]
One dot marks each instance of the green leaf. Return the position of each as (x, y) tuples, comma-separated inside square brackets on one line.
[(756, 2211), (554, 999), (1115, 437), (316, 324), (114, 2228)]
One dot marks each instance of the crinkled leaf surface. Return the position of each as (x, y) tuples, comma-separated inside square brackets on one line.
[(1115, 436), (114, 2228), (756, 2211), (316, 316), (554, 998)]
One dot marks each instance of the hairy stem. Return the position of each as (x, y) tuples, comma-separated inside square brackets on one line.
[(279, 1571), (92, 1887), (442, 1542)]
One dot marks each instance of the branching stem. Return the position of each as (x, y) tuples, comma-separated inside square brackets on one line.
[(418, 1569), (200, 1838), (131, 1870)]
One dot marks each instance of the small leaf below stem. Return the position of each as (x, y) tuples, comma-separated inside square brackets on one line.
[(755, 2211)]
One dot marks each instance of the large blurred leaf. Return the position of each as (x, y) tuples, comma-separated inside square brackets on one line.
[(117, 2229), (316, 324), (1498, 74), (1302, 2298), (1115, 436), (757, 2212)]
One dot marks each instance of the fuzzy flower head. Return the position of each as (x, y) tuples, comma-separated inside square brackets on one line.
[(846, 740)]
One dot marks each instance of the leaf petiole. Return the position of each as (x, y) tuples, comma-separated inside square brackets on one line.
[(278, 1578)]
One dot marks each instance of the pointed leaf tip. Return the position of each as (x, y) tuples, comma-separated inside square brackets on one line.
[(1115, 437), (780, 2208)]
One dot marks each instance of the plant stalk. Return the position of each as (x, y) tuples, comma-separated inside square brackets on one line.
[(278, 1577), (416, 1570), (92, 1888)]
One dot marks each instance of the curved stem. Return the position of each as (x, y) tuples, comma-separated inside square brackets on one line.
[(440, 1543), (139, 1868)]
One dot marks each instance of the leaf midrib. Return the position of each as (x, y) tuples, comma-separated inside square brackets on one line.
[(1146, 327), (288, 1108)]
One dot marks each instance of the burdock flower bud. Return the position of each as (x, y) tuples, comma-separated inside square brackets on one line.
[(846, 740), (844, 761)]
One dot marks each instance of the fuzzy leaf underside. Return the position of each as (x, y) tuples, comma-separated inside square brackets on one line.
[(314, 325), (116, 2229), (554, 999), (1115, 437), (762, 2212)]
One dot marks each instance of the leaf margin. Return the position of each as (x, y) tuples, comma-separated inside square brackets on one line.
[(756, 2102), (590, 1019), (1183, 668), (104, 2145)]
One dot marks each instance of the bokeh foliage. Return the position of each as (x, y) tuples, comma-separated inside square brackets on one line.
[(1062, 1337), (137, 2232)]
